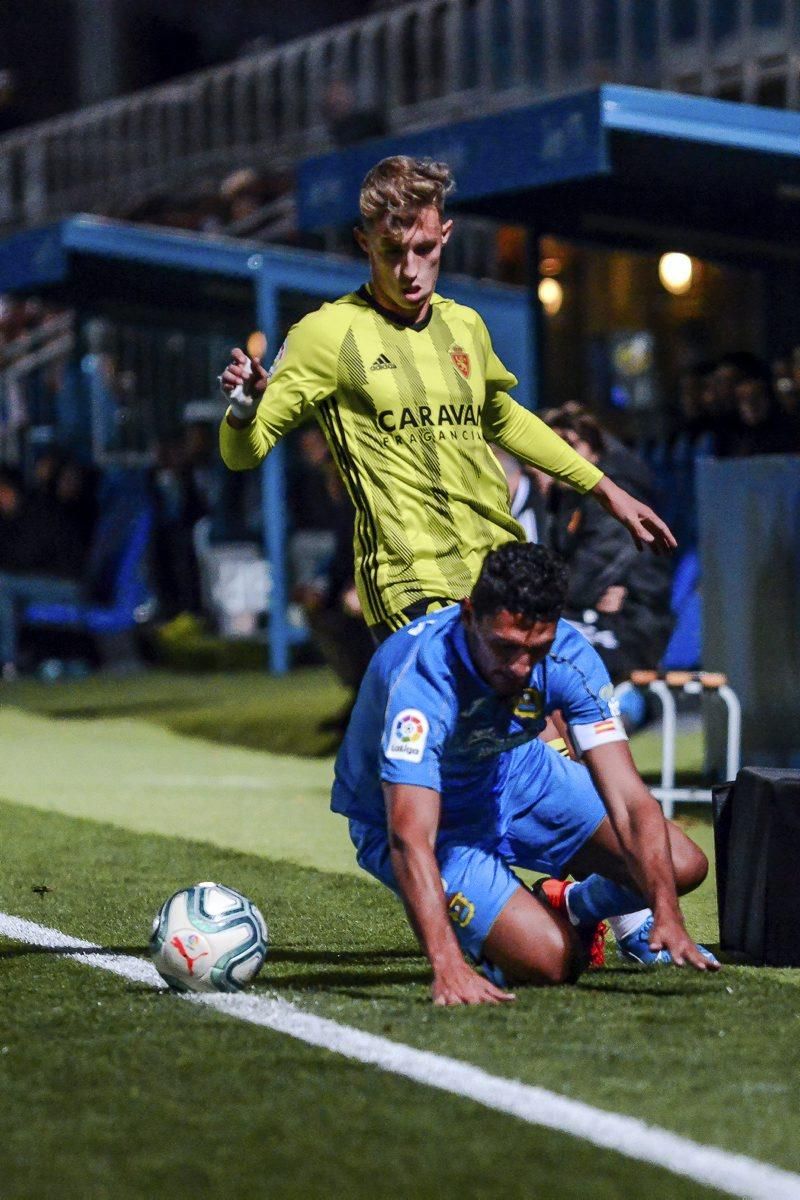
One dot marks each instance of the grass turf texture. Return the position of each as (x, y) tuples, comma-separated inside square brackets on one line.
[(109, 1090), (143, 1096), (245, 708), (249, 709)]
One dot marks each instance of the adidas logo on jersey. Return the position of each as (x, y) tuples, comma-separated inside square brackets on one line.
[(382, 363)]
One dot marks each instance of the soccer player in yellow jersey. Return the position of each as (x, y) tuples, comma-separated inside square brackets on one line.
[(408, 391)]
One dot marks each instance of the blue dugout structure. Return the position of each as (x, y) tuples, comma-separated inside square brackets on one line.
[(658, 171), (620, 165), (83, 259)]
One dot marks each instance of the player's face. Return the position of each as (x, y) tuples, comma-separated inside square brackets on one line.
[(404, 271), (505, 647)]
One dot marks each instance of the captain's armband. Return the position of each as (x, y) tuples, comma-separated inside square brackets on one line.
[(599, 733)]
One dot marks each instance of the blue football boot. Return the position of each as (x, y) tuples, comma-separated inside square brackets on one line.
[(636, 947)]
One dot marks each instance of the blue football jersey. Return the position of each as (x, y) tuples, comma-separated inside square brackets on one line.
[(425, 716)]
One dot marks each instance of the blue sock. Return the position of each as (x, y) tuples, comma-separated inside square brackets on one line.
[(596, 898)]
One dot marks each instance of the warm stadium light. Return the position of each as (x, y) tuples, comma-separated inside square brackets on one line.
[(550, 265), (551, 296), (676, 272), (257, 344)]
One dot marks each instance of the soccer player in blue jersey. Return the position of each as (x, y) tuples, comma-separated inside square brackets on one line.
[(447, 787)]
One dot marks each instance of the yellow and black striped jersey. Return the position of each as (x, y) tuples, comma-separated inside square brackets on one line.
[(407, 412)]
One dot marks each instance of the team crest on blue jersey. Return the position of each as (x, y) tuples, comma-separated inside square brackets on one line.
[(409, 735), (461, 909), (530, 705)]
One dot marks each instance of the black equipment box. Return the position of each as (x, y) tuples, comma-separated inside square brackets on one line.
[(757, 841)]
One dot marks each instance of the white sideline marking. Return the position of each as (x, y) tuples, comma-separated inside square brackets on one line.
[(732, 1173)]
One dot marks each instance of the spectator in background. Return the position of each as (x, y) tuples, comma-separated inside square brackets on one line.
[(720, 402), (786, 380), (695, 419), (41, 559), (528, 504), (13, 320), (75, 498), (619, 599), (312, 508), (11, 113), (45, 472), (739, 406), (182, 489), (321, 550), (241, 195), (765, 427), (347, 121), (333, 610)]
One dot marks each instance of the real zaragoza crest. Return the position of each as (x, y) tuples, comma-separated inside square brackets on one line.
[(460, 360)]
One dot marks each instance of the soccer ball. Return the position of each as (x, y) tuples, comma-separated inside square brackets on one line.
[(208, 938)]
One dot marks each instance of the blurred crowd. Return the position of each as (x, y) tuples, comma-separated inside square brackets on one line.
[(46, 531), (738, 405), (47, 525), (67, 531), (251, 199)]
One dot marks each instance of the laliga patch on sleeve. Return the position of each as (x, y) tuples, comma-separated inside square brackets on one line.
[(408, 736), (586, 737)]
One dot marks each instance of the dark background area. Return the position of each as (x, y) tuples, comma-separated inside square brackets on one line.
[(58, 55)]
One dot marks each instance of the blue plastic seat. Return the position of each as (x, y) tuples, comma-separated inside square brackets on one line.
[(118, 575), (684, 649)]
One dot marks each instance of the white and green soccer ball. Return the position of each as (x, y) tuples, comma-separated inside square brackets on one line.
[(208, 938)]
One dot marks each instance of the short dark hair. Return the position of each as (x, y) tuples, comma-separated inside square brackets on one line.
[(574, 418), (523, 578)]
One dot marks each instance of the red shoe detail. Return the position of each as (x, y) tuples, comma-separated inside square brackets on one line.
[(597, 946), (553, 892)]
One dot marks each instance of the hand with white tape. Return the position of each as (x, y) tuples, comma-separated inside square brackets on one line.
[(243, 384)]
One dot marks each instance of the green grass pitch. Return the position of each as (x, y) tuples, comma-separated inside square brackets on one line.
[(108, 1089)]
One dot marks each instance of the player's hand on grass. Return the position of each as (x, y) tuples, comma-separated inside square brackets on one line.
[(645, 527), (243, 383), (670, 934), (459, 984)]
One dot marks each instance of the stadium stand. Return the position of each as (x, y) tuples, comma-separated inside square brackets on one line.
[(418, 65), (194, 154)]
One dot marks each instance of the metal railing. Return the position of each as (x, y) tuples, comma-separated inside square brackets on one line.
[(30, 370), (419, 64)]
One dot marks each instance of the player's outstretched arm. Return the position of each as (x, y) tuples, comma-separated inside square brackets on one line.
[(527, 437), (645, 527), (243, 384), (413, 820)]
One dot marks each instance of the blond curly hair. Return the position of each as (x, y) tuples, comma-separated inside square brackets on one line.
[(398, 188)]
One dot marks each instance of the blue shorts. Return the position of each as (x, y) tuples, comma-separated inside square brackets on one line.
[(548, 810)]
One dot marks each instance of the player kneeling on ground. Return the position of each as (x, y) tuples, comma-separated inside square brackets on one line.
[(447, 787)]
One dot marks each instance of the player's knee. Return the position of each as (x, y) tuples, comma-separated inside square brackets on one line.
[(556, 959), (691, 868)]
